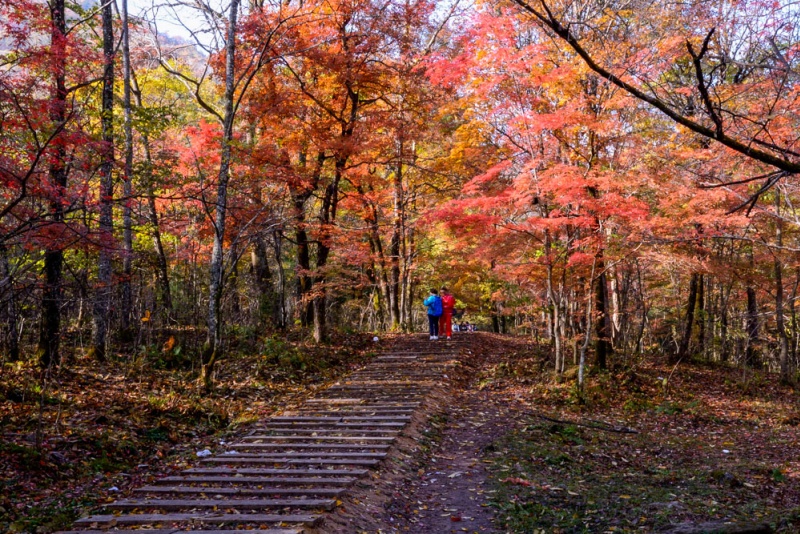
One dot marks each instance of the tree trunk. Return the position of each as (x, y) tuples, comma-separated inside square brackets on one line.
[(328, 216), (304, 279), (127, 181), (701, 321), (161, 264), (8, 294), (259, 266), (394, 247), (751, 355), (214, 341), (279, 317), (603, 348), (683, 348), (50, 328), (102, 299), (782, 338)]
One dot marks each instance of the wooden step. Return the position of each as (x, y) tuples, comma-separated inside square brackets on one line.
[(198, 518), (391, 431), (179, 530), (360, 418), (294, 461), (321, 438), (222, 504), (211, 490), (259, 471), (315, 446), (278, 481), (293, 455)]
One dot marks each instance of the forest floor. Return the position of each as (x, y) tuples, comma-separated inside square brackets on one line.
[(106, 427), (505, 448)]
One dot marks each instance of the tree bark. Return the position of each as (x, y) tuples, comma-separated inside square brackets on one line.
[(102, 299), (603, 348), (161, 264), (751, 355), (215, 287), (8, 294), (259, 266), (683, 348), (779, 319), (127, 180), (50, 328)]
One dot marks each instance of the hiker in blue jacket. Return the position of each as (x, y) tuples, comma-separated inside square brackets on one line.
[(434, 305)]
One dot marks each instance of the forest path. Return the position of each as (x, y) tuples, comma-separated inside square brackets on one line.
[(310, 466)]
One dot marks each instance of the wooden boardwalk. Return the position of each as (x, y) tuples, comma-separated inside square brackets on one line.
[(291, 469)]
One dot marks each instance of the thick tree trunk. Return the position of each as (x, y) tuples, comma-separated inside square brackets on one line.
[(215, 287), (50, 328), (102, 298), (683, 348), (603, 348)]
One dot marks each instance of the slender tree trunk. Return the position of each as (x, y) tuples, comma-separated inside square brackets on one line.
[(588, 336), (50, 328), (751, 355), (8, 294), (215, 287), (328, 211), (262, 277), (280, 300), (394, 246), (701, 322), (782, 338), (161, 263), (102, 299), (683, 348), (304, 279), (127, 181)]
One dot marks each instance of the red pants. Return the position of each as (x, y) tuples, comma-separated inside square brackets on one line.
[(446, 325)]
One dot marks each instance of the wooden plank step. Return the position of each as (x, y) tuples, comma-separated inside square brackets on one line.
[(285, 481), (320, 438), (292, 419), (222, 504), (362, 402), (342, 425), (315, 446), (290, 455), (239, 490), (294, 461), (324, 412), (260, 471), (146, 519), (179, 530), (335, 430)]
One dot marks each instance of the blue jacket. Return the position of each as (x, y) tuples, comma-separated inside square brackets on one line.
[(434, 304)]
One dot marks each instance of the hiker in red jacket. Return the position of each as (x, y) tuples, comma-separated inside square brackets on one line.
[(446, 320)]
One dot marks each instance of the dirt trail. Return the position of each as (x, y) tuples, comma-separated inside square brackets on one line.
[(438, 481)]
